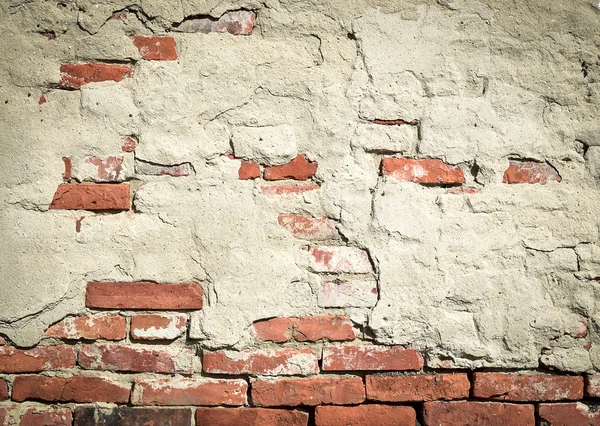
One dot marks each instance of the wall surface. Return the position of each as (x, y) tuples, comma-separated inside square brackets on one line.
[(393, 203)]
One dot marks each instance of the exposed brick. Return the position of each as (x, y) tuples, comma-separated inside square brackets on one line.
[(74, 76), (347, 294), (4, 412), (138, 359), (592, 386), (460, 191), (298, 169), (132, 416), (463, 413), (428, 387), (309, 228), (530, 172), (248, 170), (68, 169), (3, 391), (155, 48), (91, 197), (287, 189), (239, 22), (2, 341), (46, 417), (143, 295), (313, 391), (425, 172), (98, 170), (42, 358), (129, 143), (150, 169), (42, 100), (303, 329), (527, 387), (281, 362), (158, 327), (190, 392), (338, 259), (90, 327), (371, 358), (72, 389), (249, 417), (380, 415), (568, 414)]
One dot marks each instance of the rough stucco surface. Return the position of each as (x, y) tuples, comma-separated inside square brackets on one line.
[(499, 278)]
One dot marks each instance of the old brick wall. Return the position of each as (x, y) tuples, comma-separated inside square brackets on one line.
[(276, 212)]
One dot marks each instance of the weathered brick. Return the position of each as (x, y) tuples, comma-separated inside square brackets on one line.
[(338, 259), (568, 414), (287, 189), (240, 22), (129, 143), (74, 76), (371, 358), (527, 387), (312, 391), (463, 413), (429, 387), (132, 416), (592, 386), (249, 417), (91, 197), (46, 417), (3, 391), (143, 295), (530, 172), (298, 169), (425, 172), (68, 168), (150, 169), (347, 294), (380, 415), (303, 329), (248, 170), (90, 327), (309, 228), (99, 170), (190, 392), (281, 362), (42, 358), (158, 327), (72, 389), (155, 48), (138, 359)]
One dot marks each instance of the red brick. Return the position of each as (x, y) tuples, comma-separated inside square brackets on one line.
[(42, 358), (154, 48), (137, 359), (298, 169), (4, 413), (287, 189), (91, 197), (592, 387), (68, 169), (281, 362), (143, 295), (72, 389), (460, 191), (46, 417), (380, 415), (527, 387), (249, 417), (428, 387), (158, 327), (3, 391), (568, 414), (108, 170), (309, 228), (240, 22), (426, 172), (338, 259), (190, 392), (371, 358), (73, 76), (249, 170), (306, 329), (132, 416), (313, 391), (2, 341), (463, 413), (530, 172), (42, 100), (128, 144), (90, 327)]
